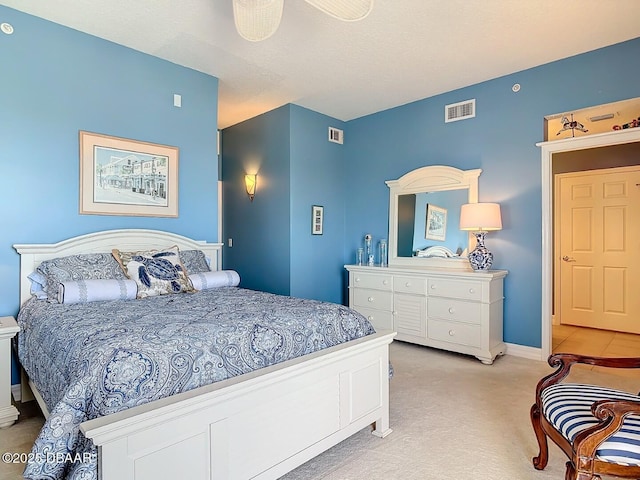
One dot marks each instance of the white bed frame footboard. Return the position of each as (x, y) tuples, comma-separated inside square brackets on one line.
[(258, 425)]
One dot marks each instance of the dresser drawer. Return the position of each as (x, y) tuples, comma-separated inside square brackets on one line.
[(450, 309), (376, 299), (453, 332), (406, 284), (380, 319), (371, 280), (464, 289)]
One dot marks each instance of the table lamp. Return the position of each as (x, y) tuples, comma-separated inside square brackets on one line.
[(480, 218)]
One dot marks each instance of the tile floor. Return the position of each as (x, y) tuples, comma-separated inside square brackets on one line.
[(601, 343)]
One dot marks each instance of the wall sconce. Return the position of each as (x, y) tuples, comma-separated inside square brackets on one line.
[(480, 218), (250, 183)]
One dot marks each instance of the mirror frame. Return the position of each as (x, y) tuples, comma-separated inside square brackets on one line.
[(434, 178)]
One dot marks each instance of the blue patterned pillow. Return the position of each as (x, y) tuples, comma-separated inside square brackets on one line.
[(86, 266), (194, 261), (157, 272)]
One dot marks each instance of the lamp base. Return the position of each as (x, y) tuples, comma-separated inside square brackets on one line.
[(480, 258)]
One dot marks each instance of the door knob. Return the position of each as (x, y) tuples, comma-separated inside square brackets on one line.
[(567, 258)]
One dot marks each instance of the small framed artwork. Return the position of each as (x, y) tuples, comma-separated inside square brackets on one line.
[(436, 224), (317, 219), (119, 176)]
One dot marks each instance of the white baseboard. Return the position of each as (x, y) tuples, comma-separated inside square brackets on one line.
[(16, 391), (532, 353)]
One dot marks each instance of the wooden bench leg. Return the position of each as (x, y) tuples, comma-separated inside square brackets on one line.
[(570, 473), (541, 460)]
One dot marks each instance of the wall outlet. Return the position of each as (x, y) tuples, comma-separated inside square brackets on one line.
[(230, 242)]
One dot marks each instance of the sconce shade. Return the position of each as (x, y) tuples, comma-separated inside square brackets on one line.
[(480, 217), (250, 183)]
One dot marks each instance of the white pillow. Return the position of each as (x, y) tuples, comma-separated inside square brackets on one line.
[(220, 278), (84, 291)]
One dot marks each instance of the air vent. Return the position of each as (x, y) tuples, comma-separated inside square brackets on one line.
[(336, 135), (460, 111)]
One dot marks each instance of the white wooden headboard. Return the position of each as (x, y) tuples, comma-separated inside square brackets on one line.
[(31, 255)]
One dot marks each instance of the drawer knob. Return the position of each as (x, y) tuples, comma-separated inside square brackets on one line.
[(370, 299), (370, 317), (433, 287), (471, 290), (357, 279), (451, 310), (408, 284), (385, 282), (452, 333)]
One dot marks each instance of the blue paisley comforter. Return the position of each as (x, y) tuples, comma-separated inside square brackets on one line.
[(89, 360)]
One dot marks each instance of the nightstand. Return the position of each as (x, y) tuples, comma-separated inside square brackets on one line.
[(8, 413)]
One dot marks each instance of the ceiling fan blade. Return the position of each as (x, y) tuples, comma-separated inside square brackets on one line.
[(257, 20), (348, 10)]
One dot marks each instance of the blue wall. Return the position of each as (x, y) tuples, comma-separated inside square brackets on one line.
[(57, 81), (501, 141), (259, 229), (317, 166), (273, 248)]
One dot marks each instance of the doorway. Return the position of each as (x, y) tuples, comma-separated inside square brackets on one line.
[(552, 161)]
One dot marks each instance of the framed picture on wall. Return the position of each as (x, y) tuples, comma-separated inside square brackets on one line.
[(317, 219), (436, 224), (119, 176)]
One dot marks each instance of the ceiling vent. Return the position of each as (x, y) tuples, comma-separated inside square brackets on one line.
[(336, 135), (460, 111)]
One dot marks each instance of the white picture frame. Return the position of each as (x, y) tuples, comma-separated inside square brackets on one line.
[(317, 219)]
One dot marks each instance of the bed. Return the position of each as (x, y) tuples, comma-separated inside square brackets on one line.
[(254, 412)]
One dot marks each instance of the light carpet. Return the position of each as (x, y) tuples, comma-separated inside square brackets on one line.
[(453, 418)]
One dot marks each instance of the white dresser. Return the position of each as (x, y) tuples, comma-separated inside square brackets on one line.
[(459, 311)]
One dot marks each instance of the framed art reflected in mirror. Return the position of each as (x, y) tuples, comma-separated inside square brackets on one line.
[(436, 223)]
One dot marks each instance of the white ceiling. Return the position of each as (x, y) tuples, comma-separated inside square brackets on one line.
[(405, 50)]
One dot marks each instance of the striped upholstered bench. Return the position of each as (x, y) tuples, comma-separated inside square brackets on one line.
[(597, 427)]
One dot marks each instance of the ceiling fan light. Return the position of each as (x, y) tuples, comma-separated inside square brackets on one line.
[(347, 10), (257, 20)]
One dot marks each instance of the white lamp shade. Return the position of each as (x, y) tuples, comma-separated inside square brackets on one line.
[(257, 20), (479, 217)]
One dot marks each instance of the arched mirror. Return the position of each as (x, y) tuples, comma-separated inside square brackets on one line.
[(424, 215)]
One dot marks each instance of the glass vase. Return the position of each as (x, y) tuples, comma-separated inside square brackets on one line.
[(382, 253)]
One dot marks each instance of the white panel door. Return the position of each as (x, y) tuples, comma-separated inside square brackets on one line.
[(598, 224)]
